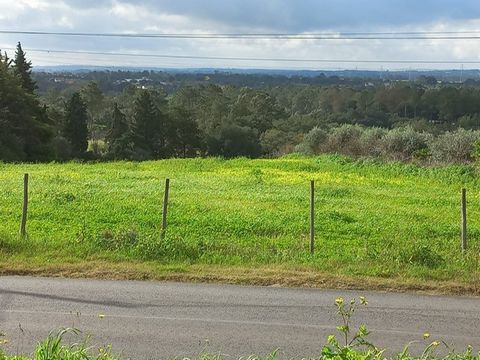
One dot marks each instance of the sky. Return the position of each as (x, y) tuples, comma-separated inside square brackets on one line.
[(244, 16)]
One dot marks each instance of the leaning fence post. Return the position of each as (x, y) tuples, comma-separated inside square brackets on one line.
[(312, 216), (165, 208), (464, 219), (23, 225)]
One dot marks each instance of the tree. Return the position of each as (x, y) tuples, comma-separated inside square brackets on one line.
[(274, 142), (185, 135), (255, 109), (119, 137), (233, 141), (151, 127), (95, 102), (25, 132), (76, 131), (146, 126), (23, 69)]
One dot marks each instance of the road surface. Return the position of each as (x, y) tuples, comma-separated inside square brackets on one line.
[(145, 320)]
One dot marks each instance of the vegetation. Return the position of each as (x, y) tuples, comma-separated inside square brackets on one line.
[(25, 129), (53, 348), (423, 120), (386, 221), (354, 345)]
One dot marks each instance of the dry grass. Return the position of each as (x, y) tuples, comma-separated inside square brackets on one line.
[(273, 275)]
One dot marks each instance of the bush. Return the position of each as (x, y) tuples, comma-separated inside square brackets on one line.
[(403, 143), (61, 149), (454, 147), (273, 142), (313, 143), (97, 147), (235, 141), (370, 141), (469, 121), (345, 140)]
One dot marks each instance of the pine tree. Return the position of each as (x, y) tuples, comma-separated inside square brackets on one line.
[(23, 69), (11, 142), (76, 131), (184, 135), (119, 137), (147, 129), (25, 132), (5, 61)]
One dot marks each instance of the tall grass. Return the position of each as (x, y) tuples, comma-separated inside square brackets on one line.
[(54, 348)]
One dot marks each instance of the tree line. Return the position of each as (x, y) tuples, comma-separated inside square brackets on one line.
[(396, 120)]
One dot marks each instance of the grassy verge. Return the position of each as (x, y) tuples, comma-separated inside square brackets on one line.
[(245, 221)]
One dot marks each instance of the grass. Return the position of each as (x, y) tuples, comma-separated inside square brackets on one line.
[(383, 225), (54, 348)]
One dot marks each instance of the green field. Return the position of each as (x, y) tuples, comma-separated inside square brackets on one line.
[(378, 224)]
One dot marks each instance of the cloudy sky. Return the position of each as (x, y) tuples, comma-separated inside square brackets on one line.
[(243, 16)]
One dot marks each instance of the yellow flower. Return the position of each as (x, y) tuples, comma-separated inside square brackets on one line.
[(339, 301), (426, 335), (363, 300), (436, 343), (3, 341), (101, 316)]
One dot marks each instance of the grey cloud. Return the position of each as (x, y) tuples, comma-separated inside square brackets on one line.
[(243, 16), (308, 15), (303, 15)]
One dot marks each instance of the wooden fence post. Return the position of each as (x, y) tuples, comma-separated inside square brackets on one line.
[(165, 208), (464, 219), (312, 216), (23, 225)]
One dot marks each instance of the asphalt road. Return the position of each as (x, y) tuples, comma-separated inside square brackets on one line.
[(161, 320)]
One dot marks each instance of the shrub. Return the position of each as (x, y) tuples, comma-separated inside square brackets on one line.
[(403, 143), (313, 143), (370, 141), (469, 121), (454, 147), (272, 142), (61, 149), (345, 140)]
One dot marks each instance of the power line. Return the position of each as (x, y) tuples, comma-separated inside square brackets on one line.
[(226, 58), (425, 35)]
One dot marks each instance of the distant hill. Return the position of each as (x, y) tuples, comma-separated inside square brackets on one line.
[(445, 75)]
